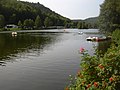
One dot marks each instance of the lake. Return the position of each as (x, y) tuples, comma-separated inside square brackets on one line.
[(42, 60)]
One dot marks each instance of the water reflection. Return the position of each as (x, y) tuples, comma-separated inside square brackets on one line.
[(41, 61), (10, 46)]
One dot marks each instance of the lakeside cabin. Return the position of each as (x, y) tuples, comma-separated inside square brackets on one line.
[(10, 26)]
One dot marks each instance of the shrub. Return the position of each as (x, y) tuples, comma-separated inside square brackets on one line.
[(116, 37), (99, 72)]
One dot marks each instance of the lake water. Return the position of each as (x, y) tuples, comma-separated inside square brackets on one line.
[(42, 60)]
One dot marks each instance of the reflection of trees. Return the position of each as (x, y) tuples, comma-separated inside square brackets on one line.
[(23, 42), (103, 46)]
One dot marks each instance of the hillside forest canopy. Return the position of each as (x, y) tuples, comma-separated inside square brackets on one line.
[(29, 15)]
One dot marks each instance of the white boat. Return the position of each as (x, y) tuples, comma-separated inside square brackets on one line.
[(80, 32), (89, 38), (14, 33), (102, 38)]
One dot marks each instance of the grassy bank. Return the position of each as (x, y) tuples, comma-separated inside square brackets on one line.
[(10, 29)]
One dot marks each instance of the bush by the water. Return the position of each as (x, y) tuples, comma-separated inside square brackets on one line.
[(100, 71)]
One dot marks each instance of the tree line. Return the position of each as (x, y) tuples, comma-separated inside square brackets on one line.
[(34, 16)]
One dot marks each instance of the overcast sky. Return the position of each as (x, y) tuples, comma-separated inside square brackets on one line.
[(73, 9)]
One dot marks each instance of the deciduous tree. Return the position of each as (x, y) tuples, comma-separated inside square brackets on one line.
[(109, 18)]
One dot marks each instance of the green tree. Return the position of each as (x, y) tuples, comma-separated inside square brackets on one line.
[(2, 21), (109, 18), (79, 25), (20, 24), (47, 22), (83, 25), (38, 23), (28, 24), (31, 23)]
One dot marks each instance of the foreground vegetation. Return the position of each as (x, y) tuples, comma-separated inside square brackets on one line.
[(100, 71)]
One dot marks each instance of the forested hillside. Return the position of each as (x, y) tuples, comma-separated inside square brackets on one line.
[(92, 20), (13, 11), (87, 23), (36, 16)]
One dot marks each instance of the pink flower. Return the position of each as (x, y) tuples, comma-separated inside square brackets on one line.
[(88, 86), (82, 50), (101, 66), (66, 88), (96, 84), (111, 79)]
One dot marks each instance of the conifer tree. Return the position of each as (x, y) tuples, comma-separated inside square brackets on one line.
[(38, 23)]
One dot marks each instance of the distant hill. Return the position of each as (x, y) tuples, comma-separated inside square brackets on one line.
[(93, 21), (88, 20)]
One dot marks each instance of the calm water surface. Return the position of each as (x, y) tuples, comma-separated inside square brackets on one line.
[(41, 60)]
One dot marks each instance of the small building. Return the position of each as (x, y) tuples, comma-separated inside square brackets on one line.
[(11, 26)]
